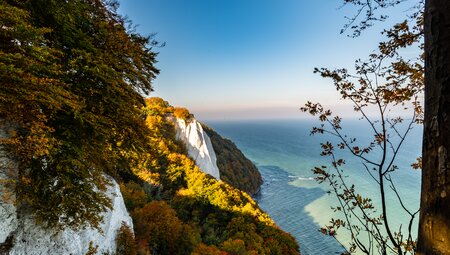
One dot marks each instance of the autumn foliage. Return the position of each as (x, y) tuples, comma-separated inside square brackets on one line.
[(182, 113), (70, 73), (72, 113), (125, 243), (188, 211), (235, 168), (159, 230)]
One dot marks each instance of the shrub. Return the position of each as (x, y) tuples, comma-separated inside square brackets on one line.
[(182, 113), (133, 195), (159, 230), (125, 244), (203, 249)]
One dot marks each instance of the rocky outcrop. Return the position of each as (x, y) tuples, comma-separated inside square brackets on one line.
[(198, 145), (29, 238), (217, 156), (24, 236)]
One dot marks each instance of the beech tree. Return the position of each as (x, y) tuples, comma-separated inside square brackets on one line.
[(387, 83), (434, 226), (71, 77)]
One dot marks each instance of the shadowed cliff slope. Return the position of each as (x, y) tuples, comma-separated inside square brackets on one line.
[(234, 167)]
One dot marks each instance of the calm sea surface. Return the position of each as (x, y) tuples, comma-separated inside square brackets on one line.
[(285, 153)]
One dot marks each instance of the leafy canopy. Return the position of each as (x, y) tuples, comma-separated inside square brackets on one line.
[(70, 81)]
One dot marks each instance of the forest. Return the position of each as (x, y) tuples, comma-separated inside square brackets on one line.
[(75, 109), (73, 80)]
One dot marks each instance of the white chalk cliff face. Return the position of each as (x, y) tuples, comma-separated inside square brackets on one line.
[(29, 238), (198, 145)]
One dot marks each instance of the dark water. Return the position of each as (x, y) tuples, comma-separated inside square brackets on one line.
[(285, 153)]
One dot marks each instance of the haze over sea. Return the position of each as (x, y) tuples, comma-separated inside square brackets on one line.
[(285, 153)]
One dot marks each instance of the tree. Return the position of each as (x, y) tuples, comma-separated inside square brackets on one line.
[(125, 244), (71, 78), (160, 231), (434, 226), (386, 82)]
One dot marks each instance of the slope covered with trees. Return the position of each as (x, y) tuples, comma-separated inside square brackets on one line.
[(71, 83), (178, 209), (70, 75), (234, 167)]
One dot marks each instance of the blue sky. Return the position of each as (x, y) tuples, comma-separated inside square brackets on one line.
[(249, 59)]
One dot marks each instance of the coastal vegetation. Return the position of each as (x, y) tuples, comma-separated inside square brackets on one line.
[(187, 208), (235, 168), (390, 82), (72, 79), (392, 87), (69, 100)]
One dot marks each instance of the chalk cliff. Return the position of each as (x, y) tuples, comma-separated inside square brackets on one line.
[(26, 237), (198, 145), (19, 234)]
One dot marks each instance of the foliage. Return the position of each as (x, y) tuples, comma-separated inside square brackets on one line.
[(235, 247), (92, 250), (235, 168), (203, 249), (182, 113), (159, 230), (71, 82), (133, 195), (392, 86), (125, 244), (69, 96), (193, 212)]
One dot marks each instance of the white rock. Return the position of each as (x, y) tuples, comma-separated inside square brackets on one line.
[(8, 216), (30, 239), (198, 145)]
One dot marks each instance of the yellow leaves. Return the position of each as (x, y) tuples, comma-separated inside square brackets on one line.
[(133, 195), (185, 193), (152, 178), (25, 180), (203, 249), (158, 228), (36, 143), (125, 244), (195, 195), (8, 184), (182, 113)]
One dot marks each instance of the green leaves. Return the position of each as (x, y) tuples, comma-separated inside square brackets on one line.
[(70, 73)]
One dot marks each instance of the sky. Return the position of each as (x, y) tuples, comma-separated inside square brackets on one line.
[(250, 59)]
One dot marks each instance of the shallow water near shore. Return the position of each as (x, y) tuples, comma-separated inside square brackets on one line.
[(285, 153)]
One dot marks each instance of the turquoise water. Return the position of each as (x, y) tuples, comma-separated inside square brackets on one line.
[(285, 153)]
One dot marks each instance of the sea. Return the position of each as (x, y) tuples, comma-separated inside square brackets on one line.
[(285, 152)]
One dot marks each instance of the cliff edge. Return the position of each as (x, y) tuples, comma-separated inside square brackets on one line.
[(198, 145)]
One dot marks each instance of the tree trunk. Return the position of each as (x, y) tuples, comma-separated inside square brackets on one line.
[(434, 225)]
